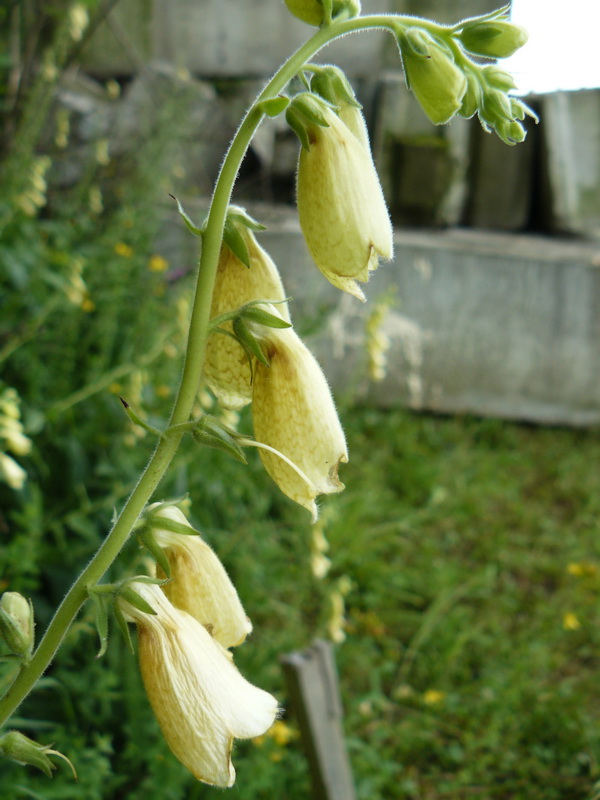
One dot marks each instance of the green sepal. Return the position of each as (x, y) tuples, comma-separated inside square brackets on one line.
[(213, 433), (240, 216), (331, 84), (101, 603), (501, 13), (156, 551), (172, 525), (189, 224), (137, 601), (248, 340), (274, 106), (236, 242), (123, 627), (304, 112), (415, 42), (256, 314)]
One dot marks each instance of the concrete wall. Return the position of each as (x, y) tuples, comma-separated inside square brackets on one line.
[(497, 324)]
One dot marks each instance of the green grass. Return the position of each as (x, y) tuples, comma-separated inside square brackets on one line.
[(461, 671)]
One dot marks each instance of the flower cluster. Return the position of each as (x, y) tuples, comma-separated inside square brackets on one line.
[(13, 439), (185, 629), (447, 81), (255, 356)]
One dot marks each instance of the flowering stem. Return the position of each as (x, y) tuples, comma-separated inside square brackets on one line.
[(194, 358)]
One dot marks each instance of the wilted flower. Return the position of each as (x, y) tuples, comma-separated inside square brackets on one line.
[(226, 367), (199, 583), (294, 413), (431, 74), (341, 207), (200, 699)]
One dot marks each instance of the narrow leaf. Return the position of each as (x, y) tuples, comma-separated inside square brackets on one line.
[(189, 224)]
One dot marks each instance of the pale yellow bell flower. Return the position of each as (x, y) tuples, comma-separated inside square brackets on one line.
[(294, 413), (199, 583), (226, 367), (341, 207), (200, 699)]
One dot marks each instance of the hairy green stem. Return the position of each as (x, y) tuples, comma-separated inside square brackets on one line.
[(194, 359)]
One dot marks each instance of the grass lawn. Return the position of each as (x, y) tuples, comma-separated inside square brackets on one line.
[(472, 660)]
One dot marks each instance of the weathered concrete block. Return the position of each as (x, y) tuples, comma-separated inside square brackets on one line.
[(485, 323), (422, 166), (500, 180), (218, 38), (571, 134)]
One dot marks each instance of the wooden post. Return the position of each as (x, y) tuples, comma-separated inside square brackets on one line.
[(312, 681)]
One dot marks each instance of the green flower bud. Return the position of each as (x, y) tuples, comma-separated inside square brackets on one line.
[(431, 74), (312, 11), (18, 747), (16, 623), (498, 78), (472, 97), (493, 38)]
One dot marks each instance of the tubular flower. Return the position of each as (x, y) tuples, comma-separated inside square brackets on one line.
[(341, 207), (226, 367), (200, 585), (294, 413), (199, 698)]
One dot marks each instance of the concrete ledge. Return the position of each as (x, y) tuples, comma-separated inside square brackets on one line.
[(485, 323)]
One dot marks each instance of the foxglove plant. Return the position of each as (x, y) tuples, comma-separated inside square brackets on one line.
[(187, 611)]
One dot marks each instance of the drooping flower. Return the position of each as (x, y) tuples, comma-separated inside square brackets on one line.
[(294, 413), (199, 583), (227, 369), (341, 207), (200, 699)]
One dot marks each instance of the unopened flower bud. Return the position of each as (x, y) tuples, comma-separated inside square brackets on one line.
[(16, 623), (431, 74), (294, 413), (341, 207), (493, 38), (199, 583), (199, 698), (472, 97), (18, 747)]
